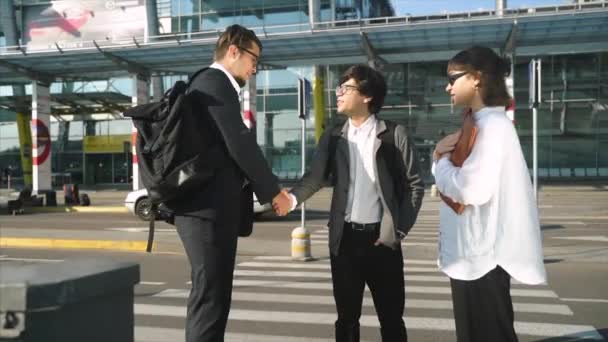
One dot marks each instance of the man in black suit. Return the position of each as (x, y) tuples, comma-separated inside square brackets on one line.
[(377, 194), (209, 220)]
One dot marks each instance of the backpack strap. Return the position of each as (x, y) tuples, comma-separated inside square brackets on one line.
[(191, 78), (151, 229)]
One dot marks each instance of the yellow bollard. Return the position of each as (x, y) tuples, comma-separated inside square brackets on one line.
[(300, 244), (434, 191)]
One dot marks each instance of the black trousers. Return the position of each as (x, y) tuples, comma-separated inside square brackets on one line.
[(211, 250), (483, 309), (360, 262)]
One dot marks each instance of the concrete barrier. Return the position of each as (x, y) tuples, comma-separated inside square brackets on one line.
[(78, 300)]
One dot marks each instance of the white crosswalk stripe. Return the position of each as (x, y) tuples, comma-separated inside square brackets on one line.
[(284, 300)]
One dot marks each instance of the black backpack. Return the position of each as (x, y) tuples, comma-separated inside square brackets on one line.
[(171, 148)]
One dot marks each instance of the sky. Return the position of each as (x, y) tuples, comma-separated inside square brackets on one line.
[(424, 7)]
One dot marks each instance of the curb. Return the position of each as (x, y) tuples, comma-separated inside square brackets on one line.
[(68, 209), (133, 246)]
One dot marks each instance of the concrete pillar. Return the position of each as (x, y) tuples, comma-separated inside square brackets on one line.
[(501, 5), (25, 145), (141, 95), (314, 12), (157, 88), (249, 103), (8, 23), (41, 137), (510, 82), (152, 19)]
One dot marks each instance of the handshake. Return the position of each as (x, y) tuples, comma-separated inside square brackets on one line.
[(282, 203)]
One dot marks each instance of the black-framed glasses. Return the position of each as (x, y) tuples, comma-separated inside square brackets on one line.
[(453, 77), (255, 57), (344, 89)]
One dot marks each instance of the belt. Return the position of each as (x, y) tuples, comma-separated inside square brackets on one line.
[(363, 227)]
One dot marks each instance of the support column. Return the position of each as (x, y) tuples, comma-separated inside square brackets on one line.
[(152, 19), (314, 12), (8, 25), (249, 104), (319, 100), (140, 96), (508, 51), (510, 82), (157, 88), (25, 145), (501, 5), (41, 137)]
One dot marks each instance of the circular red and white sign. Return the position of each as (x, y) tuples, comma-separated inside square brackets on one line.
[(42, 145)]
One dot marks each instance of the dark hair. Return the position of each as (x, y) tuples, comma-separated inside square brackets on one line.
[(492, 71), (237, 35), (369, 83)]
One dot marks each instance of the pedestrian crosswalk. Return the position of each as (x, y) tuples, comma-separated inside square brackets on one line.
[(277, 299)]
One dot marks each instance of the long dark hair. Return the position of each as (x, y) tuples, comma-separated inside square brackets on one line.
[(492, 71)]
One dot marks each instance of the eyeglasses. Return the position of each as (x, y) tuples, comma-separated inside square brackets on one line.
[(344, 89), (452, 78), (255, 57)]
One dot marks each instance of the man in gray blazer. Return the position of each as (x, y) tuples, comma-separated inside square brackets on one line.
[(377, 194)]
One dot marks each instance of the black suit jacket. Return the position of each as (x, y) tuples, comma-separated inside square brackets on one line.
[(400, 183), (234, 154)]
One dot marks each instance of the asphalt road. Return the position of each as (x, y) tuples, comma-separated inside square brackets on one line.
[(276, 299)]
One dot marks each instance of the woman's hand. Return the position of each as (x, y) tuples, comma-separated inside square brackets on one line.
[(446, 145)]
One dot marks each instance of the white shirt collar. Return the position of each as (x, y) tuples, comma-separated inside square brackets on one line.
[(235, 84), (487, 110), (367, 125)]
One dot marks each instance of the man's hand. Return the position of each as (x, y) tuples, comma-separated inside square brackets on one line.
[(281, 203), (446, 145)]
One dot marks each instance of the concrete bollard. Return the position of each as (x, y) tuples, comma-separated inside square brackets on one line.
[(300, 244), (434, 191)]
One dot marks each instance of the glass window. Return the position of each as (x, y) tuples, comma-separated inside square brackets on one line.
[(117, 127), (8, 130), (570, 121), (67, 167), (9, 144), (189, 23)]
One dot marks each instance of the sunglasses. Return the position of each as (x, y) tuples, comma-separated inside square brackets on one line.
[(452, 78)]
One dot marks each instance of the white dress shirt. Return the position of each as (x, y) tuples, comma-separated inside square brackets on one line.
[(363, 204), (235, 84), (499, 225)]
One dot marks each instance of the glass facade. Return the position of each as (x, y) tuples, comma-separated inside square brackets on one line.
[(572, 121), (186, 16)]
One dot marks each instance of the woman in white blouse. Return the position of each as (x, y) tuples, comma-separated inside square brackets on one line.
[(498, 234)]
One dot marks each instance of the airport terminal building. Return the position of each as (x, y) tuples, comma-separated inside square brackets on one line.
[(68, 69)]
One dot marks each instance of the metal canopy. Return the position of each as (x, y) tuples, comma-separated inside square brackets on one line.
[(72, 103), (394, 40)]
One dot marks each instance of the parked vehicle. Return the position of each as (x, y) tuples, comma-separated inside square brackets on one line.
[(139, 204)]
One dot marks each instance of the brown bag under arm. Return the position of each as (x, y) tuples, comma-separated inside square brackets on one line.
[(462, 150)]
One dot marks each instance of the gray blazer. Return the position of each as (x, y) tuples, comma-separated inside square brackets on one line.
[(399, 181)]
